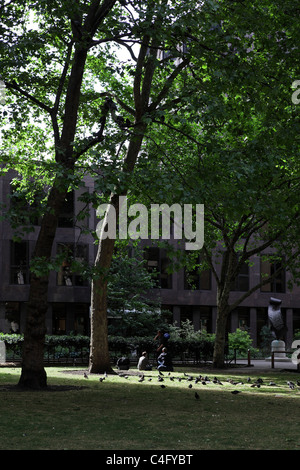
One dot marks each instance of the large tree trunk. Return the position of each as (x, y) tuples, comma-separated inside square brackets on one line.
[(33, 374)]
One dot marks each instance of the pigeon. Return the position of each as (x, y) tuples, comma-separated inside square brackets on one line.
[(190, 386), (291, 385), (197, 396), (255, 385), (141, 379), (160, 372), (85, 375), (163, 386), (260, 381), (101, 379), (272, 384), (234, 392)]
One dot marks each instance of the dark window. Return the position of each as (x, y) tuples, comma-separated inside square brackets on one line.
[(66, 217), (158, 264), (74, 257), (197, 279), (241, 282), (19, 262), (59, 319), (277, 284)]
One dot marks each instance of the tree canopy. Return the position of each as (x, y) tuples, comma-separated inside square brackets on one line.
[(200, 90)]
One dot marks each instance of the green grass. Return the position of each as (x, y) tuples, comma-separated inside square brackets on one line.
[(123, 414)]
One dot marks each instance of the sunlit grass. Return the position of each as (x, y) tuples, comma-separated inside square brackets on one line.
[(122, 413)]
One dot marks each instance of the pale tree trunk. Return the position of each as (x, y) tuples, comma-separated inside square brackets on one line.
[(99, 351)]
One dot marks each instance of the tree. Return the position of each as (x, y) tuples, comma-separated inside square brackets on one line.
[(44, 70), (52, 52), (236, 152)]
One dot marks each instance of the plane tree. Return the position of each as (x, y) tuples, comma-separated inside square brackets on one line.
[(76, 103), (236, 152)]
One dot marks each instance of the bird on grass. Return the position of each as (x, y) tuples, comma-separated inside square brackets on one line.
[(197, 396), (101, 379), (162, 386), (190, 386), (235, 392), (291, 385), (85, 375)]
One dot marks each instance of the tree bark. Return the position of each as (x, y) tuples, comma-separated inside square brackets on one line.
[(99, 352), (220, 340), (223, 308), (33, 374)]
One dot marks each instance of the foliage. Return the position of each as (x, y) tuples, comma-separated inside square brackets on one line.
[(267, 337), (241, 342)]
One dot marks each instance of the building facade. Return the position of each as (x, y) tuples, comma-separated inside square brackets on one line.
[(187, 295)]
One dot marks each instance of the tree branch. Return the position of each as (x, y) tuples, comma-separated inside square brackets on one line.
[(16, 87)]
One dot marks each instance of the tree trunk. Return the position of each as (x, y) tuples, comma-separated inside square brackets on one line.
[(219, 346), (33, 374), (99, 351), (223, 310)]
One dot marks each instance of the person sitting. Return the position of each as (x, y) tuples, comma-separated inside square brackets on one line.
[(164, 361), (123, 363), (143, 363)]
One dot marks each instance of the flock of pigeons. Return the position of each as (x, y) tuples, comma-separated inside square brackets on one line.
[(203, 380)]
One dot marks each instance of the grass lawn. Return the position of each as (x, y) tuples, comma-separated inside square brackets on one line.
[(125, 414)]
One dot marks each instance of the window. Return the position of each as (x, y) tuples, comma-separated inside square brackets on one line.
[(73, 257), (59, 319), (19, 262), (241, 282), (268, 268), (158, 263), (195, 279), (66, 218), (23, 212)]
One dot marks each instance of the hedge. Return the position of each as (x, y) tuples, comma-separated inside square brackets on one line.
[(71, 346)]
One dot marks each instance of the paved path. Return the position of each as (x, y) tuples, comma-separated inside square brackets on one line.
[(266, 364)]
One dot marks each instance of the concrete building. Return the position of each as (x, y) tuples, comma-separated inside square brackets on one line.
[(69, 294)]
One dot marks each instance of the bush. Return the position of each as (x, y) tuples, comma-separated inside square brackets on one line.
[(241, 342)]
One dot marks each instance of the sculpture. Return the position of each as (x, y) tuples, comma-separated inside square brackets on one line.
[(275, 317)]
